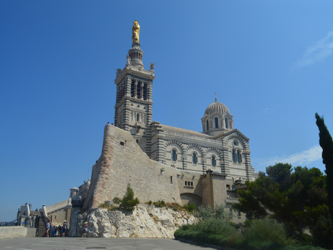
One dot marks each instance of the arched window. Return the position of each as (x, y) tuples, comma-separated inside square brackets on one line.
[(226, 122), (213, 161), (132, 88), (233, 155), (145, 91), (207, 125), (137, 117), (216, 122), (174, 155), (138, 90), (194, 158), (238, 157)]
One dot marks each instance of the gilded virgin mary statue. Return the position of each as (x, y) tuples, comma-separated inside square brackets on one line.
[(135, 32)]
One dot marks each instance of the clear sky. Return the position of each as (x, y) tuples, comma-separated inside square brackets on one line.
[(270, 63)]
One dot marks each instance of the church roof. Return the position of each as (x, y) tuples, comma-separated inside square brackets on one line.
[(186, 131), (217, 107)]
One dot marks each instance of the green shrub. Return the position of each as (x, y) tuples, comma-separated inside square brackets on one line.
[(116, 200), (302, 248), (263, 234), (128, 202), (322, 232), (149, 203), (214, 226), (190, 207), (103, 205), (160, 203), (218, 212), (113, 208), (213, 231), (174, 206)]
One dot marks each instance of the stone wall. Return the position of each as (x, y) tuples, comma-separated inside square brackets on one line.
[(59, 212), (122, 162), (10, 232)]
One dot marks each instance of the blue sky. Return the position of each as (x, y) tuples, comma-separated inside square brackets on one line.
[(270, 63)]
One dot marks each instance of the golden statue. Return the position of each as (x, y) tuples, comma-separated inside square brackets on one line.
[(135, 31)]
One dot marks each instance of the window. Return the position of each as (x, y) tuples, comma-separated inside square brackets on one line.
[(174, 155), (233, 155), (230, 210), (138, 92), (121, 143), (137, 117), (239, 214), (238, 157), (226, 122), (145, 91), (132, 88), (194, 158), (233, 188), (171, 179), (207, 125), (228, 187), (216, 122), (213, 161), (137, 141), (189, 183)]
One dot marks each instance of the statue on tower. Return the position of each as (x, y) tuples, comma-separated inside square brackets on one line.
[(135, 31)]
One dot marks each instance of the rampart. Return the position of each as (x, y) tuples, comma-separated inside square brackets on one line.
[(122, 161)]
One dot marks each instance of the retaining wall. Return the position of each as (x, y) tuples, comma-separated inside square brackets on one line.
[(10, 232)]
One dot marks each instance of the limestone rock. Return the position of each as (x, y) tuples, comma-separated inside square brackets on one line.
[(144, 222)]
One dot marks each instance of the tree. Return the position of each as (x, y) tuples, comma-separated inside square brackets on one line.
[(128, 202), (285, 194), (326, 142)]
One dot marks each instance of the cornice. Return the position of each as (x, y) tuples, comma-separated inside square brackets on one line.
[(133, 100), (141, 73)]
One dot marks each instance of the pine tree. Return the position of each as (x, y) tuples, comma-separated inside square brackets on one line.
[(128, 202), (326, 142)]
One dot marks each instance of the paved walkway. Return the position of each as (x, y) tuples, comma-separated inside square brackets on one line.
[(58, 243)]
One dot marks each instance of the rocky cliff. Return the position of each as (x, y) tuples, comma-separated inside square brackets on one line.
[(144, 222)]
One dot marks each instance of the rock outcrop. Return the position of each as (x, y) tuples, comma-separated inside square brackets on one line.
[(144, 222)]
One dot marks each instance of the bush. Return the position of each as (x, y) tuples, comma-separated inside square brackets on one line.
[(263, 234), (218, 212), (214, 226), (212, 231), (160, 203), (128, 202), (116, 200), (190, 207), (260, 235), (103, 205), (322, 232), (113, 208), (149, 203), (302, 248)]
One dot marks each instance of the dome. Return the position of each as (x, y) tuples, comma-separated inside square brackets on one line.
[(217, 107)]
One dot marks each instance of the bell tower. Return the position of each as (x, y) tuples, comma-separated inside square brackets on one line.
[(133, 109)]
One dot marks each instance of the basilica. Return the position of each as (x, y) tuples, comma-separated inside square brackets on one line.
[(220, 146)]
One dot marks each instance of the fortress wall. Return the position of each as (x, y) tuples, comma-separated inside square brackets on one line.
[(122, 162), (219, 187)]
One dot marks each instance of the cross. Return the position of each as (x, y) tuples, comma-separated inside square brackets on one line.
[(215, 97)]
